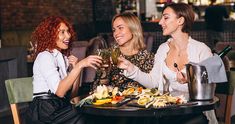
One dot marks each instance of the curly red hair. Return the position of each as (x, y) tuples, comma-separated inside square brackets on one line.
[(46, 33)]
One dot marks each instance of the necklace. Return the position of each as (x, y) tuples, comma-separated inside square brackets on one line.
[(179, 50), (179, 53)]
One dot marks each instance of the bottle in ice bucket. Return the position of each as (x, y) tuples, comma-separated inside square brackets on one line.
[(198, 86), (225, 51)]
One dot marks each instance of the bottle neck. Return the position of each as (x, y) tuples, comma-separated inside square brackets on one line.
[(225, 51)]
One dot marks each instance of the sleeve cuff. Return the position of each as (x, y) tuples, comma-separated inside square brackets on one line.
[(131, 74)]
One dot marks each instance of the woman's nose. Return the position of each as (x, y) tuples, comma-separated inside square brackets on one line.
[(115, 33), (68, 35)]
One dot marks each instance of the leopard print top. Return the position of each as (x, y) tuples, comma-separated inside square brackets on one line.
[(143, 59)]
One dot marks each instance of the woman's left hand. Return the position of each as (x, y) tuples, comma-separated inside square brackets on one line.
[(73, 60), (181, 78), (125, 64)]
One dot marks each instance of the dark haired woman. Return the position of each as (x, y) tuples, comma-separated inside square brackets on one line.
[(168, 73)]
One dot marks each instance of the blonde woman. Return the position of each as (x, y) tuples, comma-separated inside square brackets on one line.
[(127, 32)]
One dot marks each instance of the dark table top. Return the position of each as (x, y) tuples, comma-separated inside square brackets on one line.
[(131, 111)]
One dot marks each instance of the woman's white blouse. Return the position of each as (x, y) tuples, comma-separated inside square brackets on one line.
[(197, 51), (170, 77), (48, 70)]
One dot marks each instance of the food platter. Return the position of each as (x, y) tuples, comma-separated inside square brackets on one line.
[(144, 98), (134, 103)]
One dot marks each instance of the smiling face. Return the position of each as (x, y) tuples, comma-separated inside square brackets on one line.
[(63, 37), (121, 32), (170, 22)]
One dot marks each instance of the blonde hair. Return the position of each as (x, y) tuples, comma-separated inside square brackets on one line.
[(134, 25)]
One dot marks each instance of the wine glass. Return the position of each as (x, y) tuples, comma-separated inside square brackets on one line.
[(115, 53), (104, 71)]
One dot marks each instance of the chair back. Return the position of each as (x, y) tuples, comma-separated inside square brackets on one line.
[(221, 45), (231, 57), (79, 49), (149, 40), (225, 92), (19, 90), (228, 87), (95, 43)]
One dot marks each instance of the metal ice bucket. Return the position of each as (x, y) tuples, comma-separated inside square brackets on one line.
[(198, 86)]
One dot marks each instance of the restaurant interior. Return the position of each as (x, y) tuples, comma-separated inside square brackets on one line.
[(91, 20)]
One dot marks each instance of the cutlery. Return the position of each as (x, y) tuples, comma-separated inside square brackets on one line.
[(176, 66)]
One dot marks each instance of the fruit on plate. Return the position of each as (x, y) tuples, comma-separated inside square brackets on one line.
[(114, 91), (102, 101), (132, 91), (128, 91), (117, 99), (101, 92), (143, 100)]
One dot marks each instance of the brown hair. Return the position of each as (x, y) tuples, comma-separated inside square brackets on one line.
[(46, 33), (134, 25), (183, 10)]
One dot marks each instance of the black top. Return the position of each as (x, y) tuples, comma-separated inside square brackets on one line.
[(214, 16)]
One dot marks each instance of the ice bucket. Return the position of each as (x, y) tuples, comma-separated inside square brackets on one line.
[(198, 86)]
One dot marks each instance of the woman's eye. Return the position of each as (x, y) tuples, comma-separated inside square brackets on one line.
[(121, 28), (62, 31)]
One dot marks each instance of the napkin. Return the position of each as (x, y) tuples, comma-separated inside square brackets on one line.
[(215, 69)]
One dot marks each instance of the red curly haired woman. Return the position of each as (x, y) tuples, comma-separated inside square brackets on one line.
[(51, 81)]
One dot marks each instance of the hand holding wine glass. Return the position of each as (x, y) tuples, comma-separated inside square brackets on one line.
[(104, 71), (105, 54), (115, 53)]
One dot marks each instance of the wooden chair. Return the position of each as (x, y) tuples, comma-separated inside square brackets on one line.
[(227, 90), (149, 40), (231, 57), (19, 90), (221, 45)]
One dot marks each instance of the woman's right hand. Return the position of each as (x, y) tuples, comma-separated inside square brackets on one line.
[(125, 64), (73, 60), (93, 61), (181, 78)]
